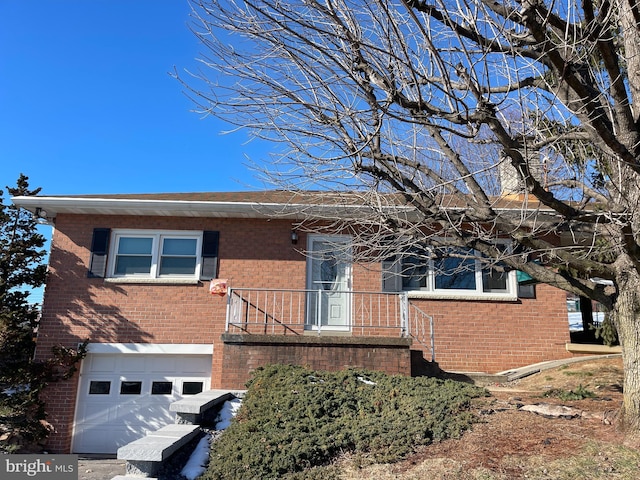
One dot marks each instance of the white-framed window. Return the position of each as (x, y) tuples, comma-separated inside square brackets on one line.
[(155, 254), (453, 272)]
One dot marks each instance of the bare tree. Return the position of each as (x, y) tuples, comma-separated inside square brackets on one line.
[(459, 122)]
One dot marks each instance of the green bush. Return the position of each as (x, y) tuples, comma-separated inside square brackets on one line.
[(580, 393), (295, 420)]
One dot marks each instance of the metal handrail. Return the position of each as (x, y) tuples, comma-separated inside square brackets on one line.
[(417, 319), (288, 311), (270, 311)]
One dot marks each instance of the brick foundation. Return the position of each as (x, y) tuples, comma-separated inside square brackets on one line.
[(244, 353)]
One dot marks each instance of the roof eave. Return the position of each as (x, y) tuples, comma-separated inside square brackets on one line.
[(173, 208)]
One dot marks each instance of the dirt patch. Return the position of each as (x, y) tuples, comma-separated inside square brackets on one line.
[(509, 443)]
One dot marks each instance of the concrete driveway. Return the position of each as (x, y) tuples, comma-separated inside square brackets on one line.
[(100, 468)]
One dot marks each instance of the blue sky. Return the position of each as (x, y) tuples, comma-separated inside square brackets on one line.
[(87, 104)]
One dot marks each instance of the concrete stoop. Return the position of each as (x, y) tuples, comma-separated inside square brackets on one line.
[(146, 456)]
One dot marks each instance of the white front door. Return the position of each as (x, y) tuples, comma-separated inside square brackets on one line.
[(329, 282)]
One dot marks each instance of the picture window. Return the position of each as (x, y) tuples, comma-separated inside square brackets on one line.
[(455, 271)]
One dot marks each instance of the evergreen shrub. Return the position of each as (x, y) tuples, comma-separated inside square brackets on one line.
[(294, 421)]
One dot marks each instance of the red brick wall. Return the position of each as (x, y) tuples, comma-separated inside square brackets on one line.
[(489, 336), (257, 253), (492, 337), (60, 401), (242, 357), (253, 253)]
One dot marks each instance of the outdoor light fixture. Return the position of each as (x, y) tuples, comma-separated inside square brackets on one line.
[(41, 216), (294, 237)]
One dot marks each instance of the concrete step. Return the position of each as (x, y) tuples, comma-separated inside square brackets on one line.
[(146, 455), (159, 445), (199, 408)]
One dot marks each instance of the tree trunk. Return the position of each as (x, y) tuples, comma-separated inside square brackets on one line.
[(628, 12), (626, 317), (586, 310)]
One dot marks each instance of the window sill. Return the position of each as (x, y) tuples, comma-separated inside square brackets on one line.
[(153, 281), (498, 297)]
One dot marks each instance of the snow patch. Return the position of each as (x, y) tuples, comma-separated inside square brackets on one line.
[(227, 412), (366, 382), (197, 463)]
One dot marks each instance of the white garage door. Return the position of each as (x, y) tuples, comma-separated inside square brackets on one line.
[(123, 396)]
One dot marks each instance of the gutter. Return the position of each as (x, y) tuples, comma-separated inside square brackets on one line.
[(49, 207)]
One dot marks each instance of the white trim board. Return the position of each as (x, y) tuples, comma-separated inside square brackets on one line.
[(151, 348)]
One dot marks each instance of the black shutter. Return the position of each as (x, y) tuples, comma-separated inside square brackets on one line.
[(210, 241), (99, 250)]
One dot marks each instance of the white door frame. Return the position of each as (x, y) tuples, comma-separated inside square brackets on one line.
[(333, 298)]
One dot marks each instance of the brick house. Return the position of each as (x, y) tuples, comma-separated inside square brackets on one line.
[(134, 275)]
